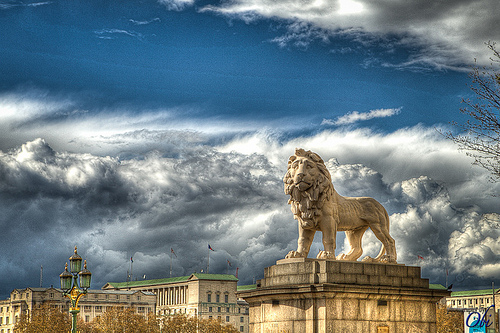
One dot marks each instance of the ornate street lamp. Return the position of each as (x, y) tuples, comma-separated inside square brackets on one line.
[(69, 284)]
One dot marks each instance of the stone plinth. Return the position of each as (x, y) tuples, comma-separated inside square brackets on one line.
[(316, 296)]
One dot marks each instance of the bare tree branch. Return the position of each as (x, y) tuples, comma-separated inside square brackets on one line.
[(480, 136)]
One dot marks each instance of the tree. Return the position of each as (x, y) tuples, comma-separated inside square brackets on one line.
[(180, 323), (44, 319), (449, 321), (482, 130), (123, 320)]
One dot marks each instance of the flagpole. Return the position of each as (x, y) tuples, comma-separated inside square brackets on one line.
[(131, 267), (170, 262), (208, 262)]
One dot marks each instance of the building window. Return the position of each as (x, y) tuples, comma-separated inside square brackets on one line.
[(226, 298), (217, 298), (87, 318), (227, 318), (209, 298), (241, 329), (227, 309), (140, 309), (209, 317), (218, 309), (87, 308), (138, 298), (98, 308), (209, 309), (51, 295), (241, 319), (107, 296)]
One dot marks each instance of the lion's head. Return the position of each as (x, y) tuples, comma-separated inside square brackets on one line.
[(308, 182)]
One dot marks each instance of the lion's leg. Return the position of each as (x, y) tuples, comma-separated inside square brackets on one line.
[(304, 242), (389, 244), (354, 238), (329, 231)]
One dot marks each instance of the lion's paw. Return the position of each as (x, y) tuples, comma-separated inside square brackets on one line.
[(294, 254), (387, 259), (341, 256), (325, 255), (369, 259)]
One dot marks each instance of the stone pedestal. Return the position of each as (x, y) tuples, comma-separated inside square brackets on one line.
[(319, 296)]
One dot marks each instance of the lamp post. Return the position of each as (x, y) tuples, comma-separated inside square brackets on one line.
[(69, 284)]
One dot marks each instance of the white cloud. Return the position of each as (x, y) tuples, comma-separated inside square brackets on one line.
[(135, 22), (447, 34), (176, 5), (196, 194), (136, 184), (110, 33), (355, 116), (475, 247)]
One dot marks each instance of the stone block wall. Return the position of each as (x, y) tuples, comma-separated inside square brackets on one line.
[(320, 296)]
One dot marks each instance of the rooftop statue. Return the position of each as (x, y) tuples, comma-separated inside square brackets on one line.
[(318, 207)]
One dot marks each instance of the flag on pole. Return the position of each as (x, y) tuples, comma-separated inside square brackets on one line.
[(420, 257), (210, 248), (172, 251), (229, 263), (131, 260)]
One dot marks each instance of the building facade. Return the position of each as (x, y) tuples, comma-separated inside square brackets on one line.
[(92, 305), (473, 299), (208, 296)]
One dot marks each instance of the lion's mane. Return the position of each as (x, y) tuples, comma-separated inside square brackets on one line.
[(306, 205)]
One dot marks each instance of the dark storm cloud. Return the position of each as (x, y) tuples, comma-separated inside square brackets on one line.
[(445, 33), (185, 194), (138, 207)]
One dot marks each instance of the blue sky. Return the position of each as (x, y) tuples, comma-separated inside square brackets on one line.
[(168, 124)]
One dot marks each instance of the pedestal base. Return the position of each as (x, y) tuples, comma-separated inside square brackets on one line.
[(319, 296)]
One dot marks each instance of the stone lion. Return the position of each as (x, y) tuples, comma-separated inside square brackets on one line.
[(318, 207)]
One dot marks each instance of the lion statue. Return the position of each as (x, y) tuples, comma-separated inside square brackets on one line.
[(318, 207)]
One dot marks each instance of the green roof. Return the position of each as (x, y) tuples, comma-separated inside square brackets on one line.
[(473, 292), (224, 277), (247, 287), (437, 286), (200, 276)]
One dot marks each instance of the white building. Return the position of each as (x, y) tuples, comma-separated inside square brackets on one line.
[(208, 296), (92, 305), (473, 299)]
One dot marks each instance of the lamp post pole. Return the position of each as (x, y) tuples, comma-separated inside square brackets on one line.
[(70, 287)]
